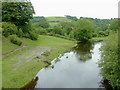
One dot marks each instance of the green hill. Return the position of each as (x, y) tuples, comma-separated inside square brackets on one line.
[(55, 20), (52, 20)]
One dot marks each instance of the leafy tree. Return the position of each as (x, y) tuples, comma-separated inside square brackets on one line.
[(83, 30), (18, 13), (68, 26), (102, 23), (114, 25)]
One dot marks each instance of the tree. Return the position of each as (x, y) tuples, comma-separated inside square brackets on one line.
[(18, 13), (114, 25), (83, 30), (67, 26)]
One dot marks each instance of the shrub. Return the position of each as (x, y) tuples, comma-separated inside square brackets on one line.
[(33, 36), (20, 33), (109, 63), (42, 31), (15, 40), (101, 33), (94, 35), (107, 32), (9, 29)]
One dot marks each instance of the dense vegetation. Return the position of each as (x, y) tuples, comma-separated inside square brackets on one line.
[(66, 26), (83, 30), (110, 61), (110, 57), (16, 20), (18, 25)]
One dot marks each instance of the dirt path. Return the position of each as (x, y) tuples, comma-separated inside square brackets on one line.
[(14, 50), (33, 54)]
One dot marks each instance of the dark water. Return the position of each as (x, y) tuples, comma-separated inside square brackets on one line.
[(76, 69)]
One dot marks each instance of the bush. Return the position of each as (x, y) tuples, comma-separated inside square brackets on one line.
[(33, 36), (101, 33), (15, 40), (20, 33), (107, 32), (94, 35), (8, 29), (109, 63)]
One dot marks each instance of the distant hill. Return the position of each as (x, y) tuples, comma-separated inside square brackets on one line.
[(52, 20), (55, 20), (38, 19)]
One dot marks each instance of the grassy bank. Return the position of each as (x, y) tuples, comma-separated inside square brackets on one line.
[(16, 78)]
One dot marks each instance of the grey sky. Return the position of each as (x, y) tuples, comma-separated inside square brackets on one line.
[(85, 8)]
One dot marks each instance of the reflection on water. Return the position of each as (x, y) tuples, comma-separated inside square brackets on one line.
[(79, 70), (84, 51)]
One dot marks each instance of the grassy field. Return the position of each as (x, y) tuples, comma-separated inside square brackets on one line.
[(7, 46), (55, 20), (26, 71)]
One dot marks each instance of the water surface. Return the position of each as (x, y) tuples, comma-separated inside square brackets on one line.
[(76, 69)]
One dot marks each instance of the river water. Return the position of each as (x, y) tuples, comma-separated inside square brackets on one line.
[(77, 68)]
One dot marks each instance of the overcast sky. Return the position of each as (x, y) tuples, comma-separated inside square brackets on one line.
[(103, 9)]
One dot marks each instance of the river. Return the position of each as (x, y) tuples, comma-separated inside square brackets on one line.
[(77, 68)]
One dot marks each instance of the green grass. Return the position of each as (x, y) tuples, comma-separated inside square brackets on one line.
[(24, 74), (49, 19), (55, 20), (7, 46)]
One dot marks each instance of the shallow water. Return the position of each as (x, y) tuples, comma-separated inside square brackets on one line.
[(79, 70)]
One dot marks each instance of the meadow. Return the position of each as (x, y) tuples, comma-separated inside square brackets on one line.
[(18, 72)]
